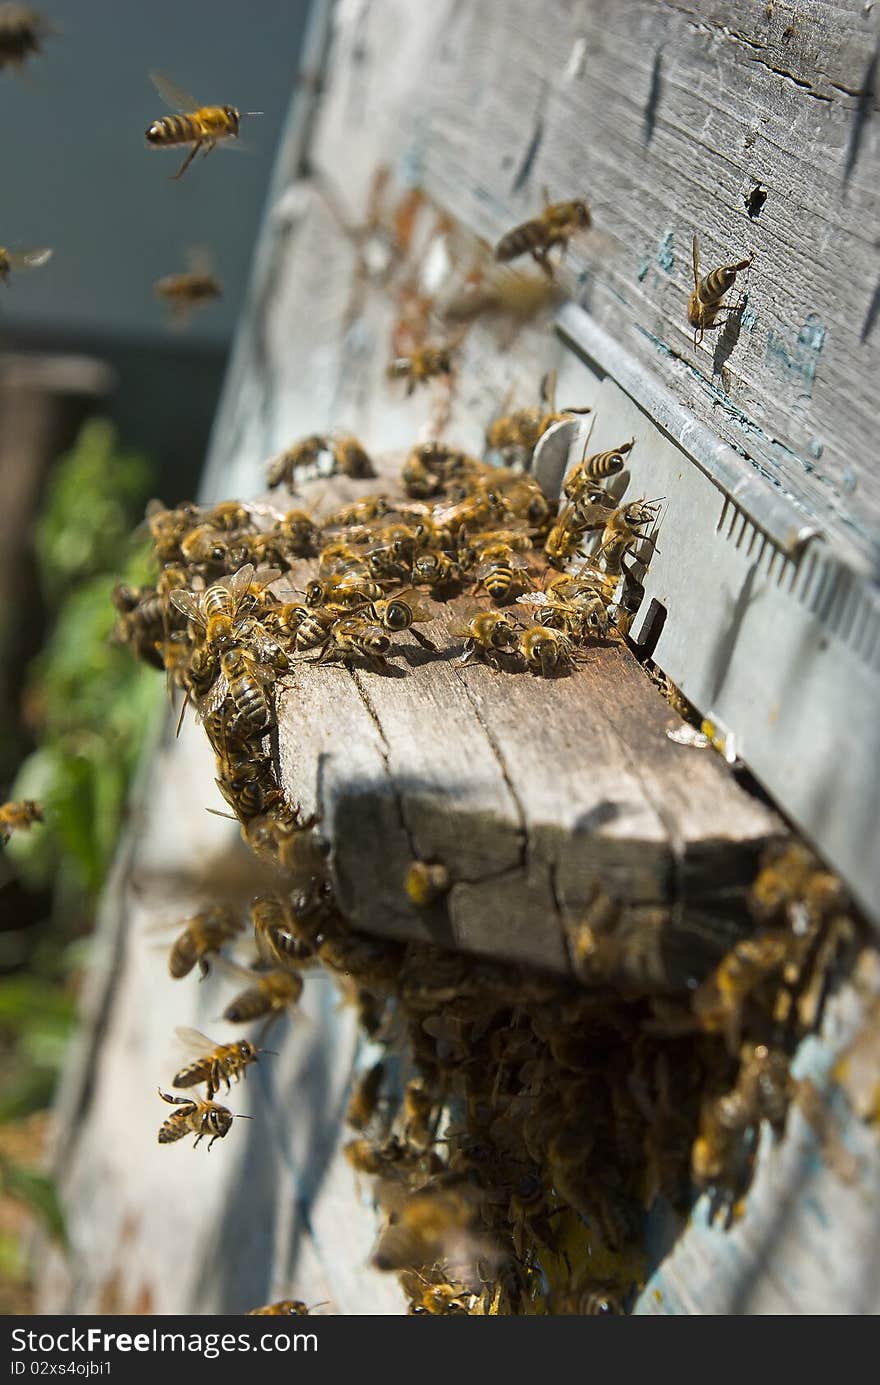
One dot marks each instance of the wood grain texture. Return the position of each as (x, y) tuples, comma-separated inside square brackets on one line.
[(665, 117)]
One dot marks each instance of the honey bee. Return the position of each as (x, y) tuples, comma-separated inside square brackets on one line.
[(269, 993), (192, 124), (400, 612), (423, 365), (437, 571), (439, 1299), (286, 1308), (185, 292), (18, 816), (566, 537), (215, 1063), (351, 458), (168, 528), (203, 935), (720, 1000), (487, 636), (578, 617), (555, 226), (303, 454), (21, 259), (583, 481), (279, 938), (763, 1091), (430, 1227), (426, 882), (21, 34), (525, 427), (356, 638), (546, 651), (418, 1111), (246, 680), (216, 609), (199, 1118), (623, 531), (365, 1097), (501, 571), (360, 512), (706, 301), (376, 1160)]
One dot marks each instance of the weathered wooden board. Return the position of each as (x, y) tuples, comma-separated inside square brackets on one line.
[(664, 116), (529, 790)]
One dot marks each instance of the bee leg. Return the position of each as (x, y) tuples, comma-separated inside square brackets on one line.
[(423, 640), (175, 1100), (204, 968), (211, 144), (540, 258), (187, 161), (198, 1139)]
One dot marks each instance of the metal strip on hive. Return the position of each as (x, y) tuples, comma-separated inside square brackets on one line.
[(773, 634)]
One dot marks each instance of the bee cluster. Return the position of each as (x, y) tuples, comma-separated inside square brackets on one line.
[(521, 1126)]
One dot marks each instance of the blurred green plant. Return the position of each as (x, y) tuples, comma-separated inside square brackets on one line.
[(89, 707)]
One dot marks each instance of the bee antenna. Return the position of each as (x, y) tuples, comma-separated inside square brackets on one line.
[(239, 1117), (273, 1053)]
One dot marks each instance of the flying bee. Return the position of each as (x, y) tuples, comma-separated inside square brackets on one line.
[(546, 651), (555, 226), (21, 34), (423, 365), (400, 612), (188, 291), (487, 636), (583, 481), (356, 638), (192, 124), (500, 571), (365, 1096), (303, 454), (525, 427), (203, 935), (213, 1063), (706, 301), (437, 571), (21, 259), (199, 1118), (18, 816), (623, 531), (269, 993)]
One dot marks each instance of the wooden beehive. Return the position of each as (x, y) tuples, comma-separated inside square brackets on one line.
[(442, 124)]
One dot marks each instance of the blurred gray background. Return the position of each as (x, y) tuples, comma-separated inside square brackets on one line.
[(78, 176)]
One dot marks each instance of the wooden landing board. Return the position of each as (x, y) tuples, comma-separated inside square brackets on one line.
[(529, 791)]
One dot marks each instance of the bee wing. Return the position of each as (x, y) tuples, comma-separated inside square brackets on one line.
[(535, 599), (189, 604), (173, 95), (238, 582), (213, 699), (194, 1042), (28, 259), (265, 576)]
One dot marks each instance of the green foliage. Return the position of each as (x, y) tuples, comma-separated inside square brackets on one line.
[(37, 1192), (87, 512)]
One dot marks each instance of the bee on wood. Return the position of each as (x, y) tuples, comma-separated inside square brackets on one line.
[(192, 1117), (21, 259), (488, 635), (21, 34), (436, 571), (213, 1063), (186, 292), (706, 301), (216, 609), (247, 683), (426, 882), (578, 618), (584, 480), (18, 816), (501, 571), (203, 935), (356, 638), (401, 612), (763, 1091), (546, 651), (525, 427), (555, 226), (350, 458), (425, 363), (282, 469), (200, 126), (270, 993)]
